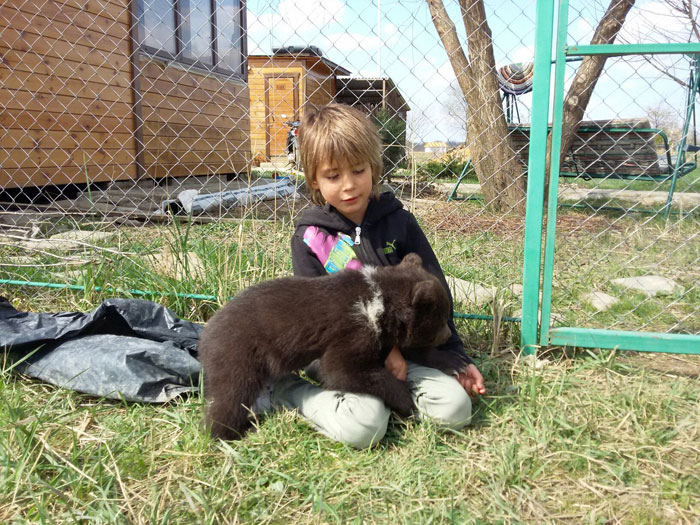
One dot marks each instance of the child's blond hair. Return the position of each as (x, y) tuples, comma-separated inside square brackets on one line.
[(341, 134)]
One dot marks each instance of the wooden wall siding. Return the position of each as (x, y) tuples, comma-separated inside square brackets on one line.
[(316, 86), (258, 101), (67, 103), (281, 105), (194, 123), (65, 92)]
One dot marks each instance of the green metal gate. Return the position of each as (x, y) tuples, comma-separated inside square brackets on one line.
[(539, 329)]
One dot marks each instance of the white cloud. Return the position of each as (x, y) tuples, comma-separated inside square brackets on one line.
[(295, 22), (302, 15), (348, 42)]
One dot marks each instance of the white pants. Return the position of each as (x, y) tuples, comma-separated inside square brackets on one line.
[(360, 420)]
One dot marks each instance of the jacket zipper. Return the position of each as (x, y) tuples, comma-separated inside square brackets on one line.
[(364, 251)]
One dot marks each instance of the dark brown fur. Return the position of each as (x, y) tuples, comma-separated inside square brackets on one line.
[(282, 325)]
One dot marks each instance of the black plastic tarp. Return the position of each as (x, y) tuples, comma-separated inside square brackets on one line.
[(125, 348)]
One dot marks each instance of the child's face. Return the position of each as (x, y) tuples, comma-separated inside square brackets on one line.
[(346, 187)]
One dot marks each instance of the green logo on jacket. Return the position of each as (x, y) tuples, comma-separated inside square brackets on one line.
[(390, 247)]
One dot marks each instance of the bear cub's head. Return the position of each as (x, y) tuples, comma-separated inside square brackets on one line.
[(429, 307)]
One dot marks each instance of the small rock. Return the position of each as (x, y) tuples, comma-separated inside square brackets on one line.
[(650, 285), (516, 289), (600, 300), (468, 292), (88, 236)]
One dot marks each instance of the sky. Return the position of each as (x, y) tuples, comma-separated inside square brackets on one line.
[(396, 38)]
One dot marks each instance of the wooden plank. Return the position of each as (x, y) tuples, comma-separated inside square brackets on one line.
[(167, 87), (156, 69), (209, 157), (188, 118), (180, 144), (39, 138), (29, 177), (57, 13), (118, 91), (23, 24), (44, 120), (180, 170), (36, 53), (27, 101), (158, 103), (79, 71), (186, 131), (115, 11), (12, 158)]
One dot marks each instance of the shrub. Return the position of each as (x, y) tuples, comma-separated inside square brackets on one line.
[(451, 169), (392, 130)]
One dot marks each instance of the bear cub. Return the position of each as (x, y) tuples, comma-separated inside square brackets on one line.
[(350, 320)]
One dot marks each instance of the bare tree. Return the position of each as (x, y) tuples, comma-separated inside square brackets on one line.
[(587, 75), (416, 125), (679, 22), (662, 116), (497, 168), (499, 172), (455, 108)]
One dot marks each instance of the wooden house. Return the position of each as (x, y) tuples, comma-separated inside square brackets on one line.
[(282, 85), (110, 90)]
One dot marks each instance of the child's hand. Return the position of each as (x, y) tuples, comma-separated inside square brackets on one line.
[(396, 364), (471, 380)]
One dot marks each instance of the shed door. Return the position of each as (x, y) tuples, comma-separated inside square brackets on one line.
[(282, 104)]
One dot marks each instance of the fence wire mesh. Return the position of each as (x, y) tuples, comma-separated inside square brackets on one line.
[(146, 151)]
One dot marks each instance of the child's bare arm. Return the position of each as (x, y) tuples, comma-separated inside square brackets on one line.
[(396, 364)]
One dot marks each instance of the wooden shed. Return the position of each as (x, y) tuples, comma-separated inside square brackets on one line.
[(282, 85), (371, 94), (110, 90)]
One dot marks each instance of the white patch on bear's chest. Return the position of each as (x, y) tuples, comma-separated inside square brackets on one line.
[(368, 273), (371, 309)]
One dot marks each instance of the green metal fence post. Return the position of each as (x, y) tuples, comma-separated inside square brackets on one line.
[(554, 166), (535, 174)]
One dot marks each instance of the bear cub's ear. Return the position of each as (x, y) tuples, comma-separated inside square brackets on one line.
[(424, 293), (412, 259)]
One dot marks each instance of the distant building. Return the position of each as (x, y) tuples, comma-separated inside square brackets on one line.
[(371, 94), (282, 86), (436, 147)]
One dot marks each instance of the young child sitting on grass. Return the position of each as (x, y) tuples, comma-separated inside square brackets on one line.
[(352, 225)]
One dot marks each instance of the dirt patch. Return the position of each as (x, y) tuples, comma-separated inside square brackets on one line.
[(448, 217), (671, 364)]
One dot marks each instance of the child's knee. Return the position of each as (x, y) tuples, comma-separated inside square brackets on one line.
[(451, 408), (440, 398), (358, 420), (361, 421)]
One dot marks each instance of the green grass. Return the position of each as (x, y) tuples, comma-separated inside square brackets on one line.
[(688, 183), (592, 437), (588, 439)]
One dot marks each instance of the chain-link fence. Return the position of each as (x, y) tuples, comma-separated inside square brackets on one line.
[(148, 149)]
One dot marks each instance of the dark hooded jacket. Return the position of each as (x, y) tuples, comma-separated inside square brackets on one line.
[(325, 241)]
